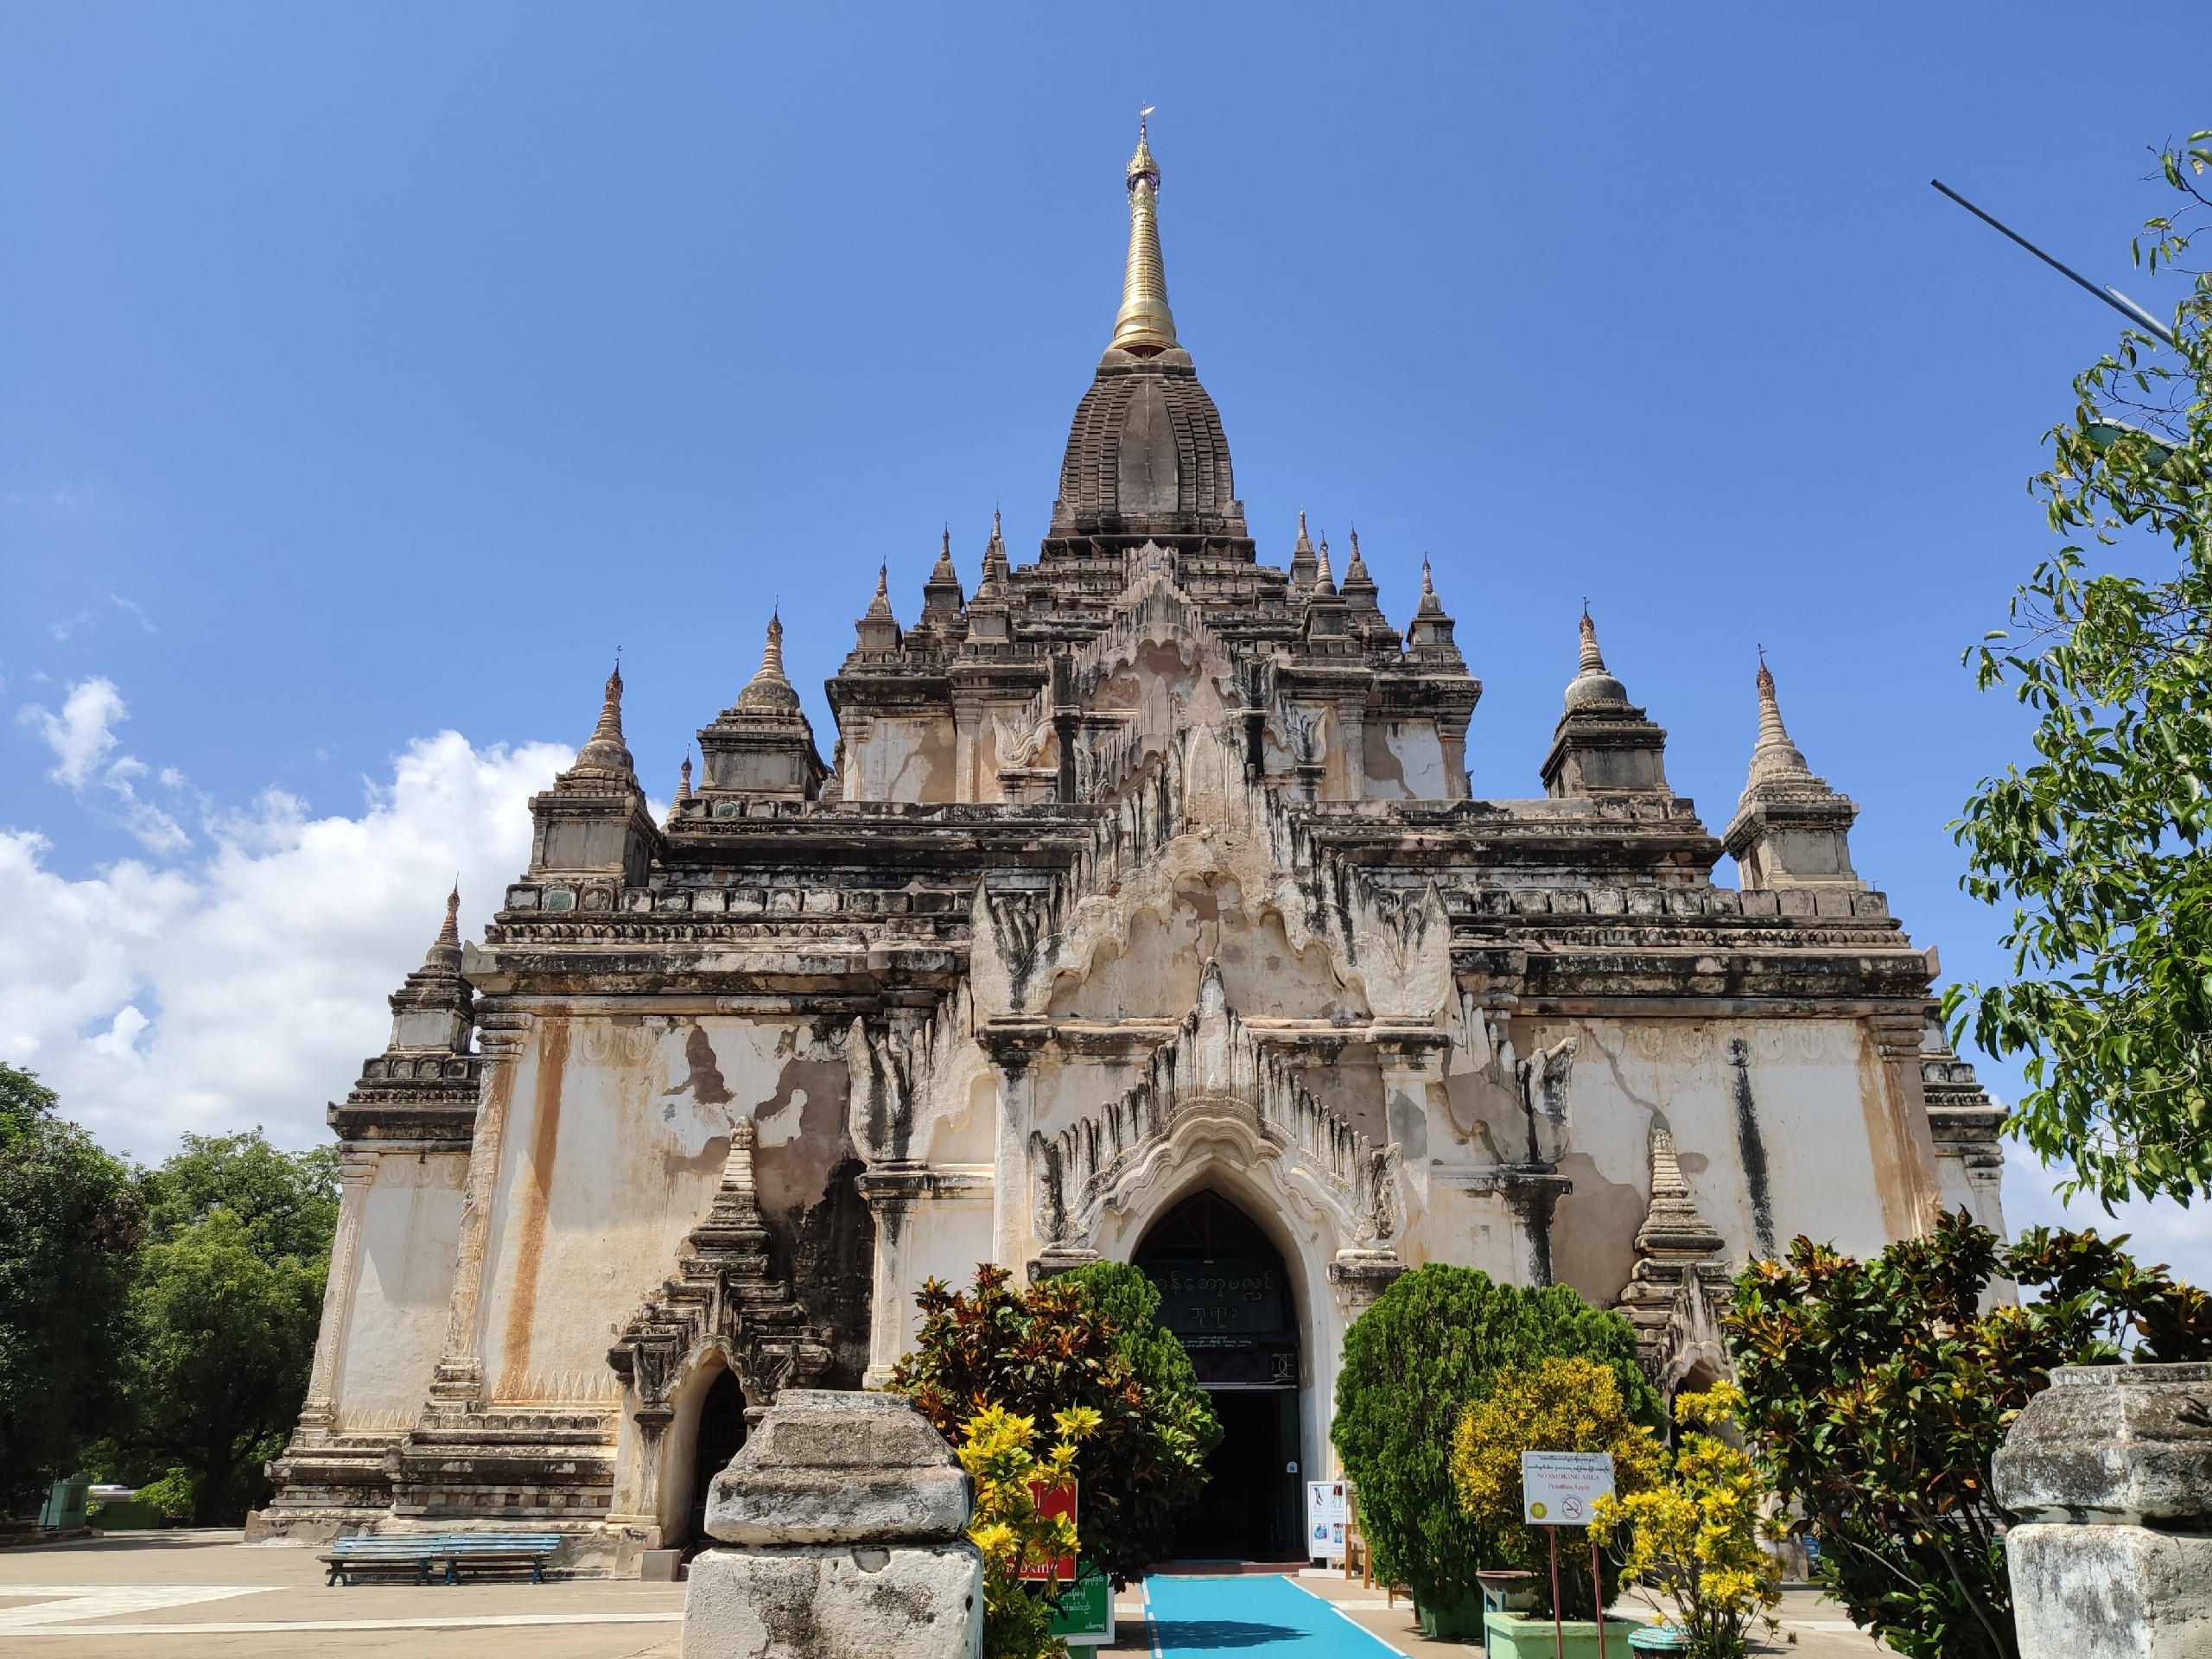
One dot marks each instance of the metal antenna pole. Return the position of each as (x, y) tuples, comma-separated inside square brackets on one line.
[(2112, 296)]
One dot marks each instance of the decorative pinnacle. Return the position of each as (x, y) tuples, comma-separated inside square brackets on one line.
[(1323, 582), (1304, 543), (450, 933), (1592, 663), (880, 604), (769, 689), (1430, 604), (945, 570), (1356, 570), (1774, 756), (1144, 325), (610, 711), (683, 780)]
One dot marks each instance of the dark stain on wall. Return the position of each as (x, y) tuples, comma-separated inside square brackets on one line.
[(1750, 1146), (820, 1231)]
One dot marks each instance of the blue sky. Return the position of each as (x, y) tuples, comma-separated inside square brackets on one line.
[(369, 373)]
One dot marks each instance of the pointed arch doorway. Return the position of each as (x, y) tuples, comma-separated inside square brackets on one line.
[(1226, 1296)]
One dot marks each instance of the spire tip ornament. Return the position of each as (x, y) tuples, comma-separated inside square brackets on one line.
[(1144, 326)]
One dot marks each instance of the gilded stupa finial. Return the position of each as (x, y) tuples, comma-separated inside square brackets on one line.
[(1144, 325)]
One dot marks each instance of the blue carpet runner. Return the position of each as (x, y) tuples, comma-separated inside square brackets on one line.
[(1265, 1615)]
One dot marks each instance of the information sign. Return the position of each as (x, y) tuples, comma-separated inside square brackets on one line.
[(1051, 1503), (1085, 1619), (1325, 1520), (1558, 1488)]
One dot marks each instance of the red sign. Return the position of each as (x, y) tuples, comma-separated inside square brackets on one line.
[(1051, 1503)]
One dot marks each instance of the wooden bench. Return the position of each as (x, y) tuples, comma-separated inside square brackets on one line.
[(418, 1553)]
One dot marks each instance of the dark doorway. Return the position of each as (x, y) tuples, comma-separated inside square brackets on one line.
[(1224, 1294), (722, 1432)]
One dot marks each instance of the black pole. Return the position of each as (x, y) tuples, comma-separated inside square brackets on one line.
[(2126, 310)]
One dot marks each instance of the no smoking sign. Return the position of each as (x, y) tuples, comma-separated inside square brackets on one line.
[(1559, 1489)]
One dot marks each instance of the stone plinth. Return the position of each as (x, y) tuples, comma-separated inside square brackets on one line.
[(844, 1515), (2109, 1471)]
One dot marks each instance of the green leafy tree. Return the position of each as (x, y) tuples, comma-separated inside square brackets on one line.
[(1411, 1364), (1043, 1350), (2099, 846), (1555, 1405), (1876, 1393), (69, 1219), (224, 1313)]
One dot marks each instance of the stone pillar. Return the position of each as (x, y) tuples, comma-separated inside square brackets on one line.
[(1010, 1164), (891, 1190), (356, 1170), (2109, 1471), (842, 1519)]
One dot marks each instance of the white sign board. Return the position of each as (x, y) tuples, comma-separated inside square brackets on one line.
[(1559, 1489), (1325, 1520)]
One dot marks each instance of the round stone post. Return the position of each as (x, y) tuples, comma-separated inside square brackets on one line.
[(840, 1528), (2109, 1473)]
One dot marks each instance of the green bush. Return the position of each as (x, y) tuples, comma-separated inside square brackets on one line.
[(1039, 1351), (1411, 1364), (1876, 1393)]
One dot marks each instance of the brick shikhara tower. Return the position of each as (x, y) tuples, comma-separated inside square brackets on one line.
[(1140, 912)]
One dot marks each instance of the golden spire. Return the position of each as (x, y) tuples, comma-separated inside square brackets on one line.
[(1144, 324)]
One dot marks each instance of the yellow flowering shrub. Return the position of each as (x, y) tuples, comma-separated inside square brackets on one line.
[(1693, 1540), (994, 1450), (1558, 1405)]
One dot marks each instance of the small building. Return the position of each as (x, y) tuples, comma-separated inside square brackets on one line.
[(1141, 912)]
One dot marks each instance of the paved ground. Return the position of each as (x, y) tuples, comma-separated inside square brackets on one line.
[(182, 1595)]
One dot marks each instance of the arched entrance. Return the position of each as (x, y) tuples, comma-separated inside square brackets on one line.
[(1224, 1294), (720, 1433)]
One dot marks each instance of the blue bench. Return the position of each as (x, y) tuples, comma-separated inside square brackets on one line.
[(418, 1553)]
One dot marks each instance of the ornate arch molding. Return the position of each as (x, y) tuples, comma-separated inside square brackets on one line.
[(1214, 1091), (722, 1299)]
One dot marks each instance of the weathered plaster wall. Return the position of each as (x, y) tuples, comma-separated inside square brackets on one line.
[(620, 1132), (904, 757), (402, 1285)]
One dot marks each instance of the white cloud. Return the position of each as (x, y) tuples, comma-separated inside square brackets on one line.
[(248, 989), (2157, 1231), (80, 735)]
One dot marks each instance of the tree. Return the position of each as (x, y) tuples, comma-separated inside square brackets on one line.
[(1876, 1393), (2100, 845), (1010, 1531), (69, 1219), (224, 1309), (1693, 1541), (1052, 1348), (1556, 1405), (1412, 1363)]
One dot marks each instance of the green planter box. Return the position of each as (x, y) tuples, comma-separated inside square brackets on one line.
[(1462, 1620), (1511, 1636)]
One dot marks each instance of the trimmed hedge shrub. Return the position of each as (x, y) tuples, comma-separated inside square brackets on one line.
[(1413, 1364)]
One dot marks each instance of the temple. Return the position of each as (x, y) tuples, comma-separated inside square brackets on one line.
[(1141, 912)]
